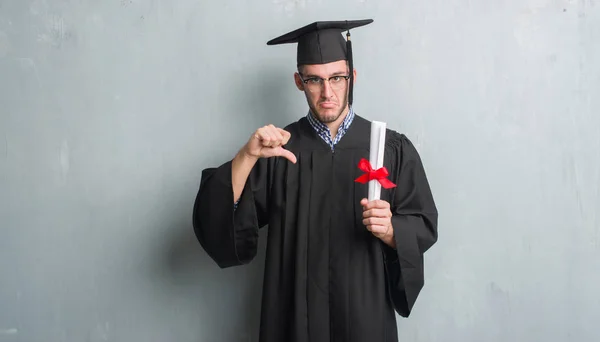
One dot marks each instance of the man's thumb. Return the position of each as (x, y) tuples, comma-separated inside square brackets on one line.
[(288, 155)]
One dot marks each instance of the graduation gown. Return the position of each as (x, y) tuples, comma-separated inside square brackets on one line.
[(327, 278)]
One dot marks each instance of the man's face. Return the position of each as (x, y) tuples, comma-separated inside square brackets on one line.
[(326, 99)]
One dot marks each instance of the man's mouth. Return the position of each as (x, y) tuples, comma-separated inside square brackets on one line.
[(328, 105)]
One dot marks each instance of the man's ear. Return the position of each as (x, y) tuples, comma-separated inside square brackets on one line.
[(354, 81), (298, 82)]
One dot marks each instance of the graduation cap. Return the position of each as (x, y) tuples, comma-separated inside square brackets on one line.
[(322, 42)]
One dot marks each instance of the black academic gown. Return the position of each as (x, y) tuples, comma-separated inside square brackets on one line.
[(327, 278)]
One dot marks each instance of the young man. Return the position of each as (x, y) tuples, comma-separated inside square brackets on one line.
[(337, 265)]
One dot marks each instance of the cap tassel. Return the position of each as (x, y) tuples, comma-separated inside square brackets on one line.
[(351, 66)]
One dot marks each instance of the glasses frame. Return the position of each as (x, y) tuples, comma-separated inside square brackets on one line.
[(322, 81)]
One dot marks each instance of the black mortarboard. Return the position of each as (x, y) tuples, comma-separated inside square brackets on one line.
[(322, 42)]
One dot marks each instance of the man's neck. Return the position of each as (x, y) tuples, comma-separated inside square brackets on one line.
[(335, 126)]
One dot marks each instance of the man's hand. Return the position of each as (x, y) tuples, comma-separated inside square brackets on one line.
[(377, 216), (267, 142)]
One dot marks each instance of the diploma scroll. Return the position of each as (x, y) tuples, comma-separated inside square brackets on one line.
[(376, 156)]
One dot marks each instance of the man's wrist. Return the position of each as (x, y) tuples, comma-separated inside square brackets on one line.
[(388, 239), (246, 159), (246, 156)]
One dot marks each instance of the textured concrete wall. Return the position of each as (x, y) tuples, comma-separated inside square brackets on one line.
[(110, 109)]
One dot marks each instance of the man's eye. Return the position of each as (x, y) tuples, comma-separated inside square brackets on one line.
[(314, 80), (336, 79)]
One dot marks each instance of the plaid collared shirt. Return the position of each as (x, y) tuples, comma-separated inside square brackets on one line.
[(324, 132)]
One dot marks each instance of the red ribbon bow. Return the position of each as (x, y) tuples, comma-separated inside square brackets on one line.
[(380, 174)]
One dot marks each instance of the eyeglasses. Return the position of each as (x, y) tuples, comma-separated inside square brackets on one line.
[(315, 84)]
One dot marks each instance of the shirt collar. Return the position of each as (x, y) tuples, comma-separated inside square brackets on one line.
[(324, 132)]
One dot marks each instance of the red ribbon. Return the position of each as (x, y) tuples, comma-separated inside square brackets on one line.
[(380, 174)]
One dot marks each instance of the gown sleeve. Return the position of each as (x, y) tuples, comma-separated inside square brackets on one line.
[(414, 219), (228, 231)]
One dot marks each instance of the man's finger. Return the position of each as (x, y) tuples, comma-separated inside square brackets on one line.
[(379, 204), (363, 203), (277, 137), (377, 229), (375, 221), (383, 204), (270, 137), (264, 137), (376, 212), (286, 136)]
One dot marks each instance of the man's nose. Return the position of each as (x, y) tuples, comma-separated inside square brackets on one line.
[(326, 90)]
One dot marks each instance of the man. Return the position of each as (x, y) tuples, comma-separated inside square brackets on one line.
[(337, 265)]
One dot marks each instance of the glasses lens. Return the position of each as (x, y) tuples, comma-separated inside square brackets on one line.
[(337, 83)]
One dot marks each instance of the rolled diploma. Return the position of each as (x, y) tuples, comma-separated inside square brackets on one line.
[(376, 156)]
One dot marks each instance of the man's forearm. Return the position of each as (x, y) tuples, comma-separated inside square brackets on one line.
[(241, 166)]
